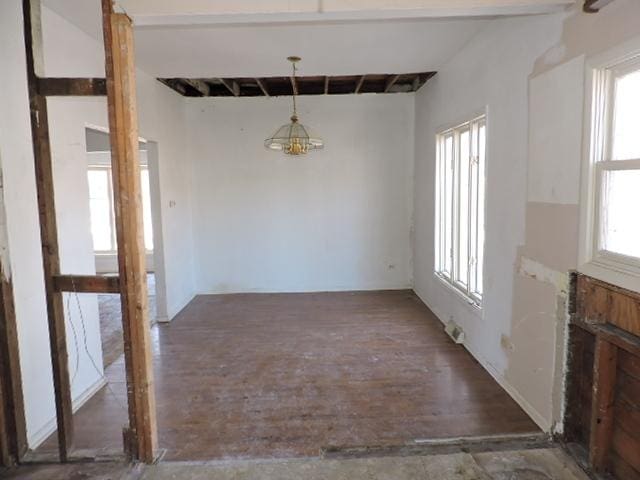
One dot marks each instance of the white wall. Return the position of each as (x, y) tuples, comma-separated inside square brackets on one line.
[(528, 73), (336, 219), (70, 52), (22, 220)]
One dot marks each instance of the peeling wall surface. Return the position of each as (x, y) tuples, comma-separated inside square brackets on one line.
[(335, 219), (529, 74)]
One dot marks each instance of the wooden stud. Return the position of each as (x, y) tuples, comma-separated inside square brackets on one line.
[(604, 381), (48, 228), (12, 403), (263, 87), (72, 87), (231, 85), (359, 85), (87, 283), (326, 85), (390, 82), (123, 123)]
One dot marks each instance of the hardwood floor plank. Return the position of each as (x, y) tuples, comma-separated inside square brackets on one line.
[(279, 375)]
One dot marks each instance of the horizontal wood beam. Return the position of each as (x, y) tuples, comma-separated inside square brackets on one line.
[(612, 334), (72, 87), (87, 283)]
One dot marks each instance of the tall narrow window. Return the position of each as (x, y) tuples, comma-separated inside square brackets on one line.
[(460, 207), (613, 232)]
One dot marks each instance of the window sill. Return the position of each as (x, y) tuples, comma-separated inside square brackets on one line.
[(611, 274), (470, 302)]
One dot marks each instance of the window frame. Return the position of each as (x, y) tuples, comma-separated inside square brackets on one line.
[(112, 219), (600, 74), (473, 125)]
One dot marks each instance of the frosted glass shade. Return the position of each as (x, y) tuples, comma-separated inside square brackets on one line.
[(293, 139)]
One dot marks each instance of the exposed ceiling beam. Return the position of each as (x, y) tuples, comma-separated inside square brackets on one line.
[(232, 86), (200, 85), (390, 81), (263, 87), (302, 85)]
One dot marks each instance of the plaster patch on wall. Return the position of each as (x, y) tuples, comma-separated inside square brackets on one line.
[(536, 270)]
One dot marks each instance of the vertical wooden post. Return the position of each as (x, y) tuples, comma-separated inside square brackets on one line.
[(12, 402), (123, 126), (48, 227), (604, 381)]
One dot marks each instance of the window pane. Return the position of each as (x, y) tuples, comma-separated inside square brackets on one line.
[(620, 225), (626, 139), (100, 208), (463, 206), (146, 209), (448, 203)]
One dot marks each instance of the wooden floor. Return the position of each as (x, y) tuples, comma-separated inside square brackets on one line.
[(277, 375)]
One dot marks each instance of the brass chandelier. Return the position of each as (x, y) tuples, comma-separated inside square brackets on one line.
[(293, 138)]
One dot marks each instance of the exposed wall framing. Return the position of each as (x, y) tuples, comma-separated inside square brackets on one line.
[(141, 438), (282, 86), (119, 86), (13, 431), (603, 388)]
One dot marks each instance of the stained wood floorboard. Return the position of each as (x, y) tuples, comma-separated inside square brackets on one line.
[(279, 375)]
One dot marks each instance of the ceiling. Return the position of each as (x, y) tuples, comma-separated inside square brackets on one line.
[(310, 85), (252, 38)]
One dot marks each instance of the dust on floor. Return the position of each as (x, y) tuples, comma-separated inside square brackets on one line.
[(536, 464)]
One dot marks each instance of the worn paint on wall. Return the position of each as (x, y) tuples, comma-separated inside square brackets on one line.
[(532, 239)]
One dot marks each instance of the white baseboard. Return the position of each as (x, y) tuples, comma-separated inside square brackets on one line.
[(48, 428), (544, 424)]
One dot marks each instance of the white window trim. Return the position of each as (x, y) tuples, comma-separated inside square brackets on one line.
[(112, 219), (470, 299), (607, 266)]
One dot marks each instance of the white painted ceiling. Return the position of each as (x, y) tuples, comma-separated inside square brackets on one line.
[(205, 38)]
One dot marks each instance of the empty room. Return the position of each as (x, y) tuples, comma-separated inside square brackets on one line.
[(320, 239)]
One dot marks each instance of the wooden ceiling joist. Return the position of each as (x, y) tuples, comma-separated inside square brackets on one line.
[(231, 85), (199, 85), (390, 82), (262, 86), (311, 85)]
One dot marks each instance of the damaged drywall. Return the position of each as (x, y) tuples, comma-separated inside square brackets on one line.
[(532, 209)]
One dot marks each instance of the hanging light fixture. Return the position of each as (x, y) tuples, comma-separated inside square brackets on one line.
[(293, 138)]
